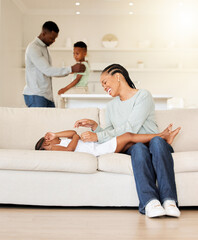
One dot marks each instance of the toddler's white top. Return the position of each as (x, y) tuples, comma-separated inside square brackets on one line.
[(94, 148)]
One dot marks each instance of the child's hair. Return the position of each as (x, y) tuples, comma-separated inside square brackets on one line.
[(117, 68), (80, 45), (39, 144)]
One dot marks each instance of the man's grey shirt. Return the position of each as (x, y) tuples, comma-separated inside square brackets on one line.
[(39, 70)]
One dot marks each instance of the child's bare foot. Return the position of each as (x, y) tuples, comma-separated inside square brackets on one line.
[(165, 134), (168, 134), (170, 127), (172, 135)]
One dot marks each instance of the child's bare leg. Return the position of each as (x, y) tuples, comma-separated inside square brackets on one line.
[(127, 146), (126, 140)]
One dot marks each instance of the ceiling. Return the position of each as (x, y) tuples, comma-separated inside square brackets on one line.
[(99, 7)]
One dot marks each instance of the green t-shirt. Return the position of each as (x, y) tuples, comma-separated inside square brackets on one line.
[(85, 75)]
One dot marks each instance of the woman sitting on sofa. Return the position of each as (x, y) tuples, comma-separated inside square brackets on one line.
[(133, 110), (71, 142)]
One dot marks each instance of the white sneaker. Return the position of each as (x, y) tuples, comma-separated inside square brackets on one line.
[(171, 208), (154, 209)]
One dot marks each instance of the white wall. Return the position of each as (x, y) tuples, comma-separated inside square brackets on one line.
[(160, 30), (0, 54), (11, 78), (129, 30)]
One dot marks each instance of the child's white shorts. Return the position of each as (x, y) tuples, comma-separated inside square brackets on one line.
[(94, 148)]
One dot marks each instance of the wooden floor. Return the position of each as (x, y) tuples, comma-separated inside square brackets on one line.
[(28, 223)]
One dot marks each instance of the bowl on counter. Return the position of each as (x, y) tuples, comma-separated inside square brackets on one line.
[(109, 44)]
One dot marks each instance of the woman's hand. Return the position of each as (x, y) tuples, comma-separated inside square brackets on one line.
[(86, 123), (50, 136), (89, 137)]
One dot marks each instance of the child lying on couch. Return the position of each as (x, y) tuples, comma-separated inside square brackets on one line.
[(70, 141)]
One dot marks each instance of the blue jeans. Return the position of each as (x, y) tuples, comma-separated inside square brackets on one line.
[(37, 101), (150, 164)]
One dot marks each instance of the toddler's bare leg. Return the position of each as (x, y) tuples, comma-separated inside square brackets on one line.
[(126, 140)]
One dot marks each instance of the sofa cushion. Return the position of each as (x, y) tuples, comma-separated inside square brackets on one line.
[(121, 163), (187, 119), (60, 161), (115, 163), (21, 128), (185, 161)]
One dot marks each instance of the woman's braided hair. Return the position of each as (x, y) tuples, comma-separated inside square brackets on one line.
[(117, 68)]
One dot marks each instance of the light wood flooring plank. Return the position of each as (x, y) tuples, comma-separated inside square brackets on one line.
[(24, 223)]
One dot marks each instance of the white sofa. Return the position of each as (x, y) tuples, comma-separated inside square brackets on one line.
[(80, 179)]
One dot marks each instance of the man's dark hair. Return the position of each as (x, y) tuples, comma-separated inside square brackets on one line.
[(50, 26), (39, 144), (80, 45)]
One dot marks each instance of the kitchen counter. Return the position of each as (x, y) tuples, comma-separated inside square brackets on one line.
[(100, 100)]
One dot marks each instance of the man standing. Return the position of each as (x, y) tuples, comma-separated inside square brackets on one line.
[(39, 72)]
